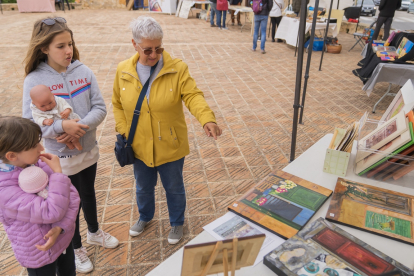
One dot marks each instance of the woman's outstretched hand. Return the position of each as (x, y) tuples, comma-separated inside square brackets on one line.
[(212, 129)]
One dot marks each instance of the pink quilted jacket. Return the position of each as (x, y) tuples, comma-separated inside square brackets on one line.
[(28, 217)]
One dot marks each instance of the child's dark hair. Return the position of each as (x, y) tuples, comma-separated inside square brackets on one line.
[(17, 134)]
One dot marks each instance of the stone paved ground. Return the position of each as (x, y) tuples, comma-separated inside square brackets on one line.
[(251, 95)]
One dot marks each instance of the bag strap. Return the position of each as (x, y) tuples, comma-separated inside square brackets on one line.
[(277, 5), (137, 110)]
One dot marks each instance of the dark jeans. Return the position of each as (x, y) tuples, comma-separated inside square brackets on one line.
[(213, 11), (219, 14), (63, 266), (275, 23), (172, 179), (386, 21), (84, 182)]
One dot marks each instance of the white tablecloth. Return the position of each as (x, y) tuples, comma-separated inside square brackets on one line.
[(391, 73), (289, 27), (309, 166)]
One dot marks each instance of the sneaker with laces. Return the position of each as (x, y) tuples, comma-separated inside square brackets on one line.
[(82, 262), (102, 238), (137, 228), (175, 235)]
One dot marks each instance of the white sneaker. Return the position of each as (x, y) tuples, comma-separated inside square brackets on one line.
[(82, 262), (102, 238)]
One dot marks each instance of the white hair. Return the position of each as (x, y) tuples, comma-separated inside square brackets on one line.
[(145, 27)]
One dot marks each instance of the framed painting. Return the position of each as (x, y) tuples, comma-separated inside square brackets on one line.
[(322, 248), (281, 203), (372, 209)]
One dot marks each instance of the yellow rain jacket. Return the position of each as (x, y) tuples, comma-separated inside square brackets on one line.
[(161, 134)]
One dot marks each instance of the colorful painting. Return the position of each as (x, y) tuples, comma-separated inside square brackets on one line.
[(327, 264), (236, 228), (372, 209), (389, 224), (322, 248), (281, 203)]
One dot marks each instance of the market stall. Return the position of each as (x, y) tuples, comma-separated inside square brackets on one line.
[(309, 167), (36, 6), (288, 29)]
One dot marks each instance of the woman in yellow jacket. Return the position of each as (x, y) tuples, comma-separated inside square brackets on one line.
[(161, 141)]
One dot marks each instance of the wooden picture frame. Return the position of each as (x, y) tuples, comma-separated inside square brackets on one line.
[(378, 211), (215, 257), (381, 136)]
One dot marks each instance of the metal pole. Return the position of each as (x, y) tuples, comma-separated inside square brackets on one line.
[(359, 17), (326, 34), (299, 66), (308, 62), (337, 5)]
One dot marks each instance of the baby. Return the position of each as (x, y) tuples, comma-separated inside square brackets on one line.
[(34, 180), (46, 108)]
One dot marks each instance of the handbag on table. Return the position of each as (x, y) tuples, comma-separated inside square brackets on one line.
[(123, 147)]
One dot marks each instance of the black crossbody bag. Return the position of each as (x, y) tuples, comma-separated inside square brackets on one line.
[(123, 147)]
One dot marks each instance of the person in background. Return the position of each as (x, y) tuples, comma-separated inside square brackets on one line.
[(213, 11), (260, 22), (387, 10), (222, 8), (237, 3), (276, 16), (296, 6)]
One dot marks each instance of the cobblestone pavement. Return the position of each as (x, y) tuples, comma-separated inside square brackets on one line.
[(250, 93)]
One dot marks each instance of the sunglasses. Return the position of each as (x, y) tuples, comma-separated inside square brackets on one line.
[(52, 21), (149, 51)]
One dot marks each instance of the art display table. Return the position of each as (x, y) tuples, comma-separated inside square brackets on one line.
[(309, 166), (248, 14), (288, 29), (392, 73), (36, 6)]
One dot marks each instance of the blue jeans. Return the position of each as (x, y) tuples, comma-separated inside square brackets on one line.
[(213, 11), (260, 21), (219, 13), (172, 179)]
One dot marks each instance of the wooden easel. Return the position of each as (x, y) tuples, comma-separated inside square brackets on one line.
[(221, 256), (225, 253)]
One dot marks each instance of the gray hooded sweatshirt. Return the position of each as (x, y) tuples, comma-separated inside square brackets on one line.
[(78, 86)]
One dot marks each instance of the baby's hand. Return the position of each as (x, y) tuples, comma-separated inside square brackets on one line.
[(76, 143), (65, 113), (47, 122)]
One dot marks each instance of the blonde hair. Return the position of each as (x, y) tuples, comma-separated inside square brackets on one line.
[(42, 36)]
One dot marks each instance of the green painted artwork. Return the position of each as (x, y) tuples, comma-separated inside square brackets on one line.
[(388, 224)]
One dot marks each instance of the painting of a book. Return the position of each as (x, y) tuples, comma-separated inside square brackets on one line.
[(281, 203), (372, 209), (322, 248)]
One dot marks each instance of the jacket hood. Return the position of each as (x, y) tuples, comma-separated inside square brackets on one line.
[(45, 67)]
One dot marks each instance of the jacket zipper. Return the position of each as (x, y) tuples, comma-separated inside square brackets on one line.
[(173, 138)]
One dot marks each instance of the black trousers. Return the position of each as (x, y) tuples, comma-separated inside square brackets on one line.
[(84, 182), (275, 23), (386, 21), (63, 266)]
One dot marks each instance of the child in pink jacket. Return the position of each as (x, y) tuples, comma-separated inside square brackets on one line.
[(40, 230)]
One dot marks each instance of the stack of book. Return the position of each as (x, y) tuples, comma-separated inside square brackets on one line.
[(388, 150)]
